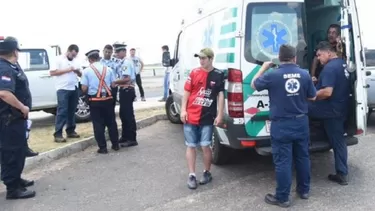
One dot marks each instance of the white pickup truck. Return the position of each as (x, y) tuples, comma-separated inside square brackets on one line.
[(37, 62)]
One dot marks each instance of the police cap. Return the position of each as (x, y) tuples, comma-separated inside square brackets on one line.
[(119, 47), (9, 44), (92, 52)]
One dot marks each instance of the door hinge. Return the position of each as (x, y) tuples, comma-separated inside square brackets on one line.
[(239, 34)]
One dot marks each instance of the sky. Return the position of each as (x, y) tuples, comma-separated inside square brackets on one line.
[(143, 24)]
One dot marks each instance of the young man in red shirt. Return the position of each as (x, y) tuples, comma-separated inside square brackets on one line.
[(202, 107)]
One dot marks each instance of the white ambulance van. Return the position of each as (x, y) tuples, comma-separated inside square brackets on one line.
[(244, 34)]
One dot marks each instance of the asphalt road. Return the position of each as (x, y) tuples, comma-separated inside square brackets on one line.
[(152, 176)]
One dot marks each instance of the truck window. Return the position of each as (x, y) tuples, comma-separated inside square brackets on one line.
[(269, 25), (33, 59)]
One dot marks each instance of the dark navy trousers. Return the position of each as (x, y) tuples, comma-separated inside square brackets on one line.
[(333, 122), (13, 154), (290, 142), (129, 125)]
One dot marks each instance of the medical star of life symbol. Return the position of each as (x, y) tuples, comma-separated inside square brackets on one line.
[(208, 32), (274, 38), (292, 85)]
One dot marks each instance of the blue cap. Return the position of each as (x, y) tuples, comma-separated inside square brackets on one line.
[(92, 52), (119, 47), (9, 44)]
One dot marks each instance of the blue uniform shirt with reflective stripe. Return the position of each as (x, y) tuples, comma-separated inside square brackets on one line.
[(91, 80)]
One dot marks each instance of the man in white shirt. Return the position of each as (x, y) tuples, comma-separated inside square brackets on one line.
[(67, 70), (138, 64)]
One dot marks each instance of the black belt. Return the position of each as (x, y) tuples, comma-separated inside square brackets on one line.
[(288, 117)]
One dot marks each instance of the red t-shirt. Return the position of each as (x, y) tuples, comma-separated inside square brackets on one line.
[(204, 88)]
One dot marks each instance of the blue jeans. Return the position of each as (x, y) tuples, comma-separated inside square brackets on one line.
[(67, 105), (198, 135), (166, 85)]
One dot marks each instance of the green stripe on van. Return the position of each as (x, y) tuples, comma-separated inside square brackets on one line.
[(231, 13), (224, 58), (228, 28), (227, 43)]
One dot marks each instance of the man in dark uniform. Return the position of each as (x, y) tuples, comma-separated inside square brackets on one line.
[(15, 98), (127, 95), (331, 106), (289, 89), (97, 81)]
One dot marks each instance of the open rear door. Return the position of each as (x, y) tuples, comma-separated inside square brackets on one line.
[(350, 30)]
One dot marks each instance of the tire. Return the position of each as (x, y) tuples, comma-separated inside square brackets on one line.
[(220, 153), (83, 111), (172, 114)]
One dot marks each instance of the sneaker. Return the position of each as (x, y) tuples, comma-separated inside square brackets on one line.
[(162, 100), (143, 99), (271, 199), (206, 178), (60, 139), (73, 135), (340, 179), (192, 182)]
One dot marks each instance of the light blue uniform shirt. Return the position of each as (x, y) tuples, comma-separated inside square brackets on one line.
[(137, 64), (111, 63), (127, 69), (91, 80)]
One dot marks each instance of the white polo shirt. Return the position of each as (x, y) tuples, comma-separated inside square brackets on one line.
[(67, 81)]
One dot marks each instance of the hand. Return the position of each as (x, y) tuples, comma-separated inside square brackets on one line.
[(267, 64), (314, 79), (183, 117), (70, 69), (25, 111), (218, 120)]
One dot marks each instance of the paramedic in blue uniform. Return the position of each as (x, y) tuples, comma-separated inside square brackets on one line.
[(331, 106), (97, 81), (112, 63), (127, 95), (289, 88), (14, 101)]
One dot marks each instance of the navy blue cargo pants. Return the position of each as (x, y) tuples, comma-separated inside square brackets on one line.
[(333, 122), (290, 142), (13, 154)]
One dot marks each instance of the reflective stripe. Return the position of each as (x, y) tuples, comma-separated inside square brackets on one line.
[(102, 84)]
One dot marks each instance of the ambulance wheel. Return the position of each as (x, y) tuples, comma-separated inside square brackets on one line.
[(220, 153), (171, 110)]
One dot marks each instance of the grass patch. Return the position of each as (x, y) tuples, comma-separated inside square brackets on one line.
[(41, 138)]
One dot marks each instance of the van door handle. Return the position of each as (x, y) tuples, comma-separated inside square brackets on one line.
[(45, 76)]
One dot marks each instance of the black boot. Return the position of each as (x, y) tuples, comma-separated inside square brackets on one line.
[(31, 153), (20, 193)]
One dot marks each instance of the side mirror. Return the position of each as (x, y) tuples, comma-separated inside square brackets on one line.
[(166, 59)]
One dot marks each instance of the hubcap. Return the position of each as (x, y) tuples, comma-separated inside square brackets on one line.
[(82, 108), (173, 110)]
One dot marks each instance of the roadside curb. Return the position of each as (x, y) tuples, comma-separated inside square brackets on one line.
[(65, 151)]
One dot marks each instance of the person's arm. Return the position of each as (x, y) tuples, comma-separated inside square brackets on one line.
[(314, 65), (124, 71), (187, 91), (261, 81), (58, 70), (85, 81), (113, 77), (7, 90), (328, 81), (311, 90), (220, 102), (142, 65)]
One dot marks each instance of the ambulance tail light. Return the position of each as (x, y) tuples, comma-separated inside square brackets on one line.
[(2, 38), (235, 95)]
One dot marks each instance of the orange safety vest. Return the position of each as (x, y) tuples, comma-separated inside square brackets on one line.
[(102, 83)]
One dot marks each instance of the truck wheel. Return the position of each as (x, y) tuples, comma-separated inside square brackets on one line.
[(220, 153), (171, 110), (83, 111)]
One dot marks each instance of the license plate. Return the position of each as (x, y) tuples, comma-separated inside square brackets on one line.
[(268, 126)]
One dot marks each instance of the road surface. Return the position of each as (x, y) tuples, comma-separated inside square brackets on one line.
[(152, 176)]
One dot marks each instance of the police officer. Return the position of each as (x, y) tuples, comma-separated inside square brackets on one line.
[(112, 63), (97, 81), (332, 106), (14, 100), (127, 95), (289, 89)]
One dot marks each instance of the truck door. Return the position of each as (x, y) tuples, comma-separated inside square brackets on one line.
[(351, 33)]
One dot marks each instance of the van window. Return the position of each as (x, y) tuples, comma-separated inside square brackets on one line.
[(269, 25), (365, 10), (33, 59), (370, 58)]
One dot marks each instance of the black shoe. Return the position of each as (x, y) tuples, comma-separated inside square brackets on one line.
[(116, 147), (192, 182), (102, 151), (60, 139), (31, 153), (21, 193), (73, 135), (129, 144), (271, 199), (303, 195), (340, 179), (206, 178), (26, 183)]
